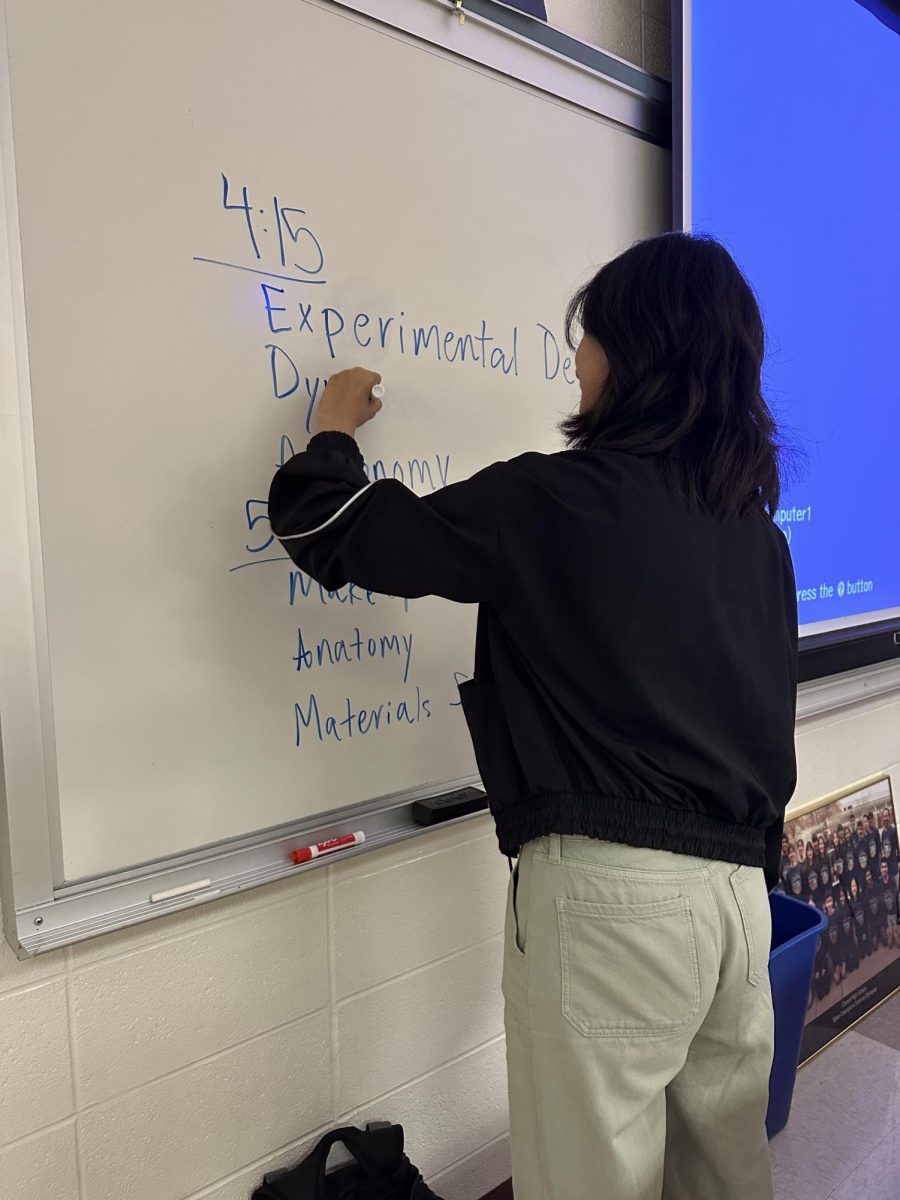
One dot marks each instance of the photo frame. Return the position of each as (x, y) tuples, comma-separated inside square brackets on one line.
[(850, 870)]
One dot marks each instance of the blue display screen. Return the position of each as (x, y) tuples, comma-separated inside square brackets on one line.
[(795, 163)]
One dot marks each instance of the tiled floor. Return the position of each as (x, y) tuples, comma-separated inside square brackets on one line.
[(843, 1139)]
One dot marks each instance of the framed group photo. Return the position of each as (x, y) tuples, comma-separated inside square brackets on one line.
[(840, 854)]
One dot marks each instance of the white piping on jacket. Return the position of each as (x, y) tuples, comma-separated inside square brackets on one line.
[(289, 537)]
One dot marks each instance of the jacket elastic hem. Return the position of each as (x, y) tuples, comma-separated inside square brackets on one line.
[(627, 820)]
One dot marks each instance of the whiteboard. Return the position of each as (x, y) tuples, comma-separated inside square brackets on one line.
[(215, 210)]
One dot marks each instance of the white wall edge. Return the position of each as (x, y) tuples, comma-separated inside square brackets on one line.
[(838, 691)]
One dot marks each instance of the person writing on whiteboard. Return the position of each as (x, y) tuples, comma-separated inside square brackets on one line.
[(632, 712)]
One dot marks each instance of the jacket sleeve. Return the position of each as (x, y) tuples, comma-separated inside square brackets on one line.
[(340, 528)]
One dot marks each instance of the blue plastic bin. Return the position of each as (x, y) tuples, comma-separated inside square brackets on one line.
[(795, 934)]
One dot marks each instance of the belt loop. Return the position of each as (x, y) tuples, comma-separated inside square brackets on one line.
[(555, 849)]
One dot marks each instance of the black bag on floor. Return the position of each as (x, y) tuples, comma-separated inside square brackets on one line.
[(379, 1171)]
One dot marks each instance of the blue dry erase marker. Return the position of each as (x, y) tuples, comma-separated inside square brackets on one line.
[(377, 392)]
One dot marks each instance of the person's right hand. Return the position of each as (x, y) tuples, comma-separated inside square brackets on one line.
[(347, 403)]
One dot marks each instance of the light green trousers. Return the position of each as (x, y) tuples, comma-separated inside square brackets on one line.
[(639, 1025)]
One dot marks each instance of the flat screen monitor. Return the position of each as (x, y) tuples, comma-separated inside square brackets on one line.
[(788, 149)]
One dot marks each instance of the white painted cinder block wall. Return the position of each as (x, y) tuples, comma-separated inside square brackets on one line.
[(182, 1059)]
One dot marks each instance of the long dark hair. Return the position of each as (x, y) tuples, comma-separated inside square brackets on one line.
[(684, 337)]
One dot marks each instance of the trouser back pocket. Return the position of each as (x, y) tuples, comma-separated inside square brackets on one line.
[(629, 970)]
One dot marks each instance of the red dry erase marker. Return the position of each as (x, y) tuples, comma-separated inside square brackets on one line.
[(338, 843)]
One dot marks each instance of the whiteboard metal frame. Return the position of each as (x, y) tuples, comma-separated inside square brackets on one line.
[(27, 836), (521, 47), (40, 913)]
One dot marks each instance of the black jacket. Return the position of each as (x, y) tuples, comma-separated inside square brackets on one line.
[(635, 665)]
